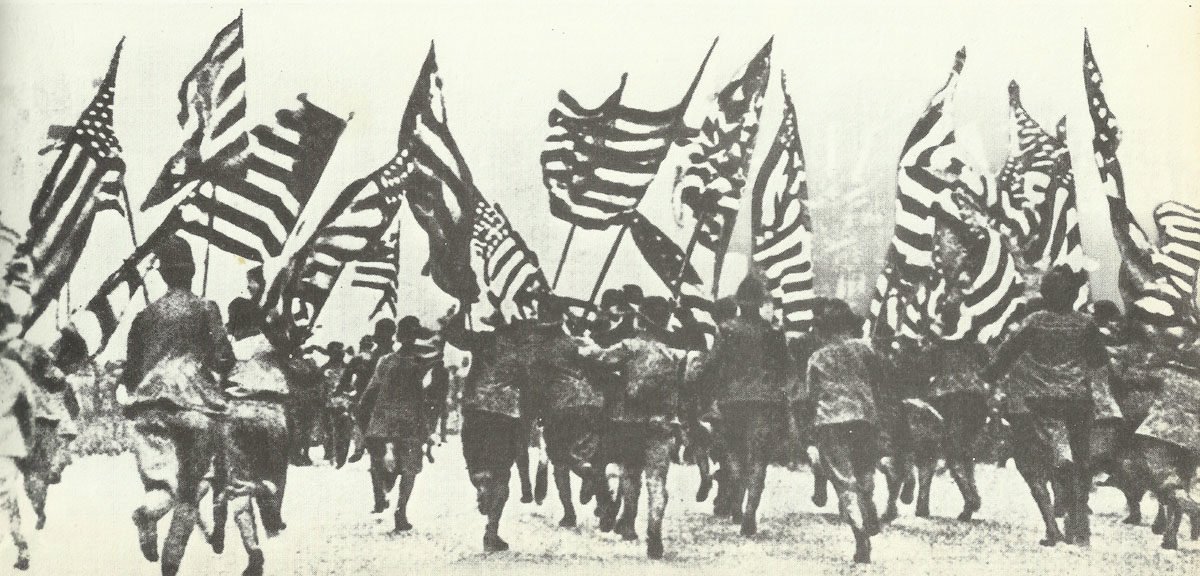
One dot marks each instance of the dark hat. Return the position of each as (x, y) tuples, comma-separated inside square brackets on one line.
[(384, 328), (633, 294), (335, 347), (751, 291), (407, 327), (656, 310), (1105, 311), (613, 297), (174, 252), (1060, 284), (725, 309)]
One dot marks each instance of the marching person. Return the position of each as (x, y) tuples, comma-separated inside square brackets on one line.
[(177, 348), (1049, 362), (16, 431), (400, 420), (843, 378), (335, 417), (640, 436), (255, 430), (492, 433), (371, 349)]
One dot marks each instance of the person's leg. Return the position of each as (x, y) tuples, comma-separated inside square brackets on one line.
[(376, 451), (837, 460), (410, 466), (1034, 459), (10, 510), (1079, 423), (658, 463), (158, 466)]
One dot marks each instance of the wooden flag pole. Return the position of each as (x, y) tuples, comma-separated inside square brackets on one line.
[(562, 258), (208, 241), (612, 253), (133, 233)]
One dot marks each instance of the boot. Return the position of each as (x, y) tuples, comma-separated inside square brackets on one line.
[(147, 534)]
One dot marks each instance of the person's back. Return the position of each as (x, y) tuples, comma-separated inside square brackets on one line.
[(175, 346), (751, 361), (840, 379)]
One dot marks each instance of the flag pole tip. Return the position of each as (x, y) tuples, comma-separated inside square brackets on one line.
[(960, 58), (1014, 92)]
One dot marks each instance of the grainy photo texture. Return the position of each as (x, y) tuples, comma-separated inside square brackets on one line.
[(588, 287)]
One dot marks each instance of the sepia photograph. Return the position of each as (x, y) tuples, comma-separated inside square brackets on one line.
[(599, 287)]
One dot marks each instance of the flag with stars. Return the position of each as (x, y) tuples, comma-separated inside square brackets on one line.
[(718, 155), (781, 227), (504, 265), (86, 178)]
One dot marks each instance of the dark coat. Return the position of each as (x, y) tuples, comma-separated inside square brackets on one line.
[(559, 380), (843, 378), (750, 363), (1051, 356), (1175, 415), (651, 373), (396, 399), (175, 346), (499, 367)]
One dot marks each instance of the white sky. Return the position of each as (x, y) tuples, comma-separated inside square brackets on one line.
[(860, 74)]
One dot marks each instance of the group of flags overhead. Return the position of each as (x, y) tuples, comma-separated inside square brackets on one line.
[(964, 254)]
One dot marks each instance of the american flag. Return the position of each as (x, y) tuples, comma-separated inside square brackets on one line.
[(718, 155), (1178, 255), (1107, 133), (598, 162), (782, 229), (502, 262), (429, 170), (694, 307), (1038, 194), (87, 177), (212, 112), (379, 270)]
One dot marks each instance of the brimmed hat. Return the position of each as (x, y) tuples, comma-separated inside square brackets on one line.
[(175, 252), (750, 292)]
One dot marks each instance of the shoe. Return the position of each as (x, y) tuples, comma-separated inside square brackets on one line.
[(493, 543)]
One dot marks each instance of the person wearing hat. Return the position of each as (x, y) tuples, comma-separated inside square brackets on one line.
[(1049, 363), (568, 404), (335, 416), (371, 348), (639, 437), (399, 419), (16, 434), (843, 378), (746, 378), (177, 353), (255, 433)]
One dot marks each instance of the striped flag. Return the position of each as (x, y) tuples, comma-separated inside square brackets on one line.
[(504, 266), (782, 229), (251, 211), (694, 313), (87, 177), (1178, 256), (719, 154), (1107, 133), (1153, 295), (379, 270), (1039, 186), (429, 169), (212, 112), (598, 162)]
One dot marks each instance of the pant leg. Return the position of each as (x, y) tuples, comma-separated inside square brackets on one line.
[(836, 443)]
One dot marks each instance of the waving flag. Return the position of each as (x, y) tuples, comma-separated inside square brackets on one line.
[(718, 155), (598, 162), (86, 178), (212, 102), (782, 229), (694, 312), (505, 266), (430, 171), (1178, 257)]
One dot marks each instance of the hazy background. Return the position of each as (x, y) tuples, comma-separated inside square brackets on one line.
[(860, 74)]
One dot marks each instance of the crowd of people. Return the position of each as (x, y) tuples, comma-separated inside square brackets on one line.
[(224, 406)]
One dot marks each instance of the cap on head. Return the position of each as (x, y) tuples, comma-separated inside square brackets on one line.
[(613, 297), (384, 329), (407, 327), (174, 252), (633, 294), (751, 292), (656, 310)]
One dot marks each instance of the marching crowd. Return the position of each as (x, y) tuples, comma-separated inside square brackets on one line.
[(220, 405)]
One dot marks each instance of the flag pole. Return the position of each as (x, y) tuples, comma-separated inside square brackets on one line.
[(208, 241), (683, 105), (562, 258), (612, 253), (133, 233), (687, 257)]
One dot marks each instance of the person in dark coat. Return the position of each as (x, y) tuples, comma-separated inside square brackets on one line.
[(335, 417), (749, 369), (401, 419), (1049, 362), (492, 434), (570, 404), (640, 435), (176, 346), (255, 433), (360, 372), (843, 378)]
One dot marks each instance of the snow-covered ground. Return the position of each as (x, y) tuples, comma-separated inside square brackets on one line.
[(331, 531)]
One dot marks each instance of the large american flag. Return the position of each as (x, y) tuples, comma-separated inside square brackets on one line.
[(598, 162), (87, 177), (781, 227), (718, 155), (503, 264), (430, 171), (379, 268)]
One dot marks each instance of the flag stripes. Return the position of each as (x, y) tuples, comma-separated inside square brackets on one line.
[(712, 180), (1178, 257), (504, 266), (598, 162), (87, 177), (782, 230)]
